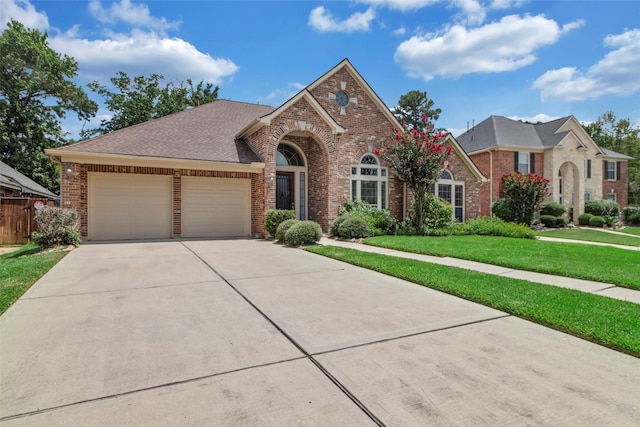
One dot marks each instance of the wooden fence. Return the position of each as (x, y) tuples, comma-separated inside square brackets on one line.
[(16, 219)]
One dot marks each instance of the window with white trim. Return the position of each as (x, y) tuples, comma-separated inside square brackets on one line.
[(523, 162), (611, 171), (587, 197), (450, 191), (611, 196), (369, 182)]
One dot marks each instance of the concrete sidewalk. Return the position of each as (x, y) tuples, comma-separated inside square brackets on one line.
[(247, 332), (605, 289)]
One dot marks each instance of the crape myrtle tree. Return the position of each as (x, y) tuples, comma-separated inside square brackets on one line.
[(36, 92), (418, 157), (142, 98), (526, 191)]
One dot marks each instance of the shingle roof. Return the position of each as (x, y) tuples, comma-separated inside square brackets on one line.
[(204, 133), (11, 178), (613, 154), (499, 131)]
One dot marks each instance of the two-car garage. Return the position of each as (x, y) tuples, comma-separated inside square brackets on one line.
[(132, 206)]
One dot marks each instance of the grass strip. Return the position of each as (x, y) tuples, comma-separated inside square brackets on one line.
[(592, 236), (21, 269), (598, 263), (630, 230), (605, 321)]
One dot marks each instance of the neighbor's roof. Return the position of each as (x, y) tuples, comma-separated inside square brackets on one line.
[(612, 154), (499, 131), (11, 178), (204, 133)]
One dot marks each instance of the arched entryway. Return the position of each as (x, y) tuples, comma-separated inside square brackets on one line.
[(569, 189), (291, 179)]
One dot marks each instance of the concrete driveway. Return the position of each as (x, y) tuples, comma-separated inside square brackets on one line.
[(246, 332)]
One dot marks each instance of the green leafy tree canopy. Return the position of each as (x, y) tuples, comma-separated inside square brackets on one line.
[(413, 106), (35, 94), (142, 98)]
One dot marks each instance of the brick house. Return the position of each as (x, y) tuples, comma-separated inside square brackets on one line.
[(560, 150), (213, 170)]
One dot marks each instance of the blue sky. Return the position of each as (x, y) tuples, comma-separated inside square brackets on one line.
[(533, 60)]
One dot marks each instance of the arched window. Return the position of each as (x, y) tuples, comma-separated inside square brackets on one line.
[(369, 182), (450, 191), (287, 155)]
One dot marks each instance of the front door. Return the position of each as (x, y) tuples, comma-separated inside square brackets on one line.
[(284, 191)]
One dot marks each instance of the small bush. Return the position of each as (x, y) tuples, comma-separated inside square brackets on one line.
[(335, 225), (504, 209), (283, 228), (274, 217), (611, 211), (584, 219), (436, 212), (354, 227), (549, 221), (552, 208), (629, 213), (380, 220), (594, 207), (487, 226), (56, 226), (303, 232), (561, 222), (597, 221)]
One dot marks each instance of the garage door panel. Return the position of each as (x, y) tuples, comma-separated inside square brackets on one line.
[(216, 207), (129, 206)]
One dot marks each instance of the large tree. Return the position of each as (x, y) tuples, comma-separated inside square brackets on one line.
[(413, 106), (35, 94), (620, 136), (142, 98)]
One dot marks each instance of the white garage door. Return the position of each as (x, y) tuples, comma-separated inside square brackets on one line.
[(216, 207), (129, 206)]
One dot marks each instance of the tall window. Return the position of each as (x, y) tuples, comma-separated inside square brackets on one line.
[(451, 192), (560, 187), (369, 182), (523, 162), (610, 170)]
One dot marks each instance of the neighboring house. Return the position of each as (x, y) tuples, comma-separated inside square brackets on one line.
[(213, 170), (559, 150), (15, 184)]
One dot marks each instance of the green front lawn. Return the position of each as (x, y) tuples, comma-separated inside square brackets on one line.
[(21, 269), (630, 230), (591, 236), (609, 322), (599, 263)]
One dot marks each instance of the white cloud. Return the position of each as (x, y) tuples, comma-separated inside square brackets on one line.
[(506, 45), (322, 20), (137, 15), (23, 12), (143, 53), (615, 73), (541, 117), (401, 5), (471, 12), (400, 31), (278, 96)]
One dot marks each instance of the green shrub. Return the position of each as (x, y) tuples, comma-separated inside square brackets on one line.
[(549, 221), (274, 217), (561, 222), (487, 226), (303, 232), (380, 220), (597, 221), (552, 208), (335, 225), (283, 228), (611, 211), (594, 207), (504, 209), (436, 212), (584, 219), (56, 226), (354, 227), (629, 213)]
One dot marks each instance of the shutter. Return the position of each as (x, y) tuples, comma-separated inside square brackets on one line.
[(618, 164), (532, 162), (588, 168), (515, 161), (605, 165)]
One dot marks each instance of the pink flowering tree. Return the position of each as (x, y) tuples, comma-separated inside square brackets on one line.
[(526, 191), (418, 158)]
